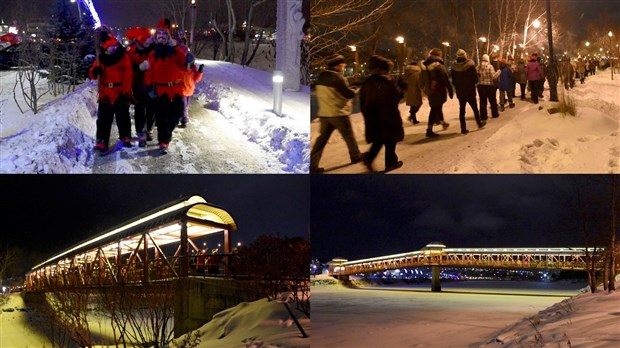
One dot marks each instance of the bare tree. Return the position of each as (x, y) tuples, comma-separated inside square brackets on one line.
[(333, 23), (28, 77)]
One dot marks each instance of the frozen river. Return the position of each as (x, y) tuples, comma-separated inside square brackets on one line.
[(465, 314)]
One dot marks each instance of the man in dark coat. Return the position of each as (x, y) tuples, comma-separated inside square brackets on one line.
[(465, 78), (379, 98), (439, 88)]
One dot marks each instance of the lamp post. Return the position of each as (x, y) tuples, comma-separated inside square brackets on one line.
[(355, 61), (278, 82), (401, 52), (611, 61), (446, 44), (79, 10), (192, 13), (483, 40)]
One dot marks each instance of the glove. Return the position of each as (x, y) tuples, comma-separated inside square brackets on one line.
[(144, 65), (97, 71), (200, 68)]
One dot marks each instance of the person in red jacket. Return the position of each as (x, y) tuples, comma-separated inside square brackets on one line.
[(113, 68), (193, 75), (167, 65), (144, 106)]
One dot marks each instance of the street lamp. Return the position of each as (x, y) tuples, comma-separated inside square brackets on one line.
[(536, 24), (355, 61), (446, 44), (192, 12), (401, 52), (79, 10), (278, 82), (611, 61)]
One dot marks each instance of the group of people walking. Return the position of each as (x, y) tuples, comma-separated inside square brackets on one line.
[(381, 93), (155, 73)]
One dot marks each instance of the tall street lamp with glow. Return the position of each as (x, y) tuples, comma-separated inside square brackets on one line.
[(446, 44), (401, 52), (611, 61), (355, 61), (79, 10), (192, 12), (483, 40)]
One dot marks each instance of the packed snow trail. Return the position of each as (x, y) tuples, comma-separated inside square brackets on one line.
[(209, 144)]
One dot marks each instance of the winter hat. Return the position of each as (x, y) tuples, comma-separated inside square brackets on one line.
[(461, 53), (503, 60), (138, 33), (378, 63), (163, 25), (485, 57), (106, 39), (334, 60), (435, 52)]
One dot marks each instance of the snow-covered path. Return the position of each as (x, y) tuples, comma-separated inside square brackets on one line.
[(522, 140), (196, 149), (233, 130)]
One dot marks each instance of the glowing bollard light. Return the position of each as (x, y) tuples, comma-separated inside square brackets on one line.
[(278, 81)]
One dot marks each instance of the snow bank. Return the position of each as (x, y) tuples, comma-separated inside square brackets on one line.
[(59, 139), (258, 324), (244, 96)]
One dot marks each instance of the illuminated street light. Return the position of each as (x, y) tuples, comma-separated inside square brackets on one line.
[(355, 61), (536, 24), (611, 61), (401, 53), (278, 82), (587, 43)]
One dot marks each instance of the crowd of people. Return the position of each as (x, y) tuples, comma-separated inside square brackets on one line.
[(381, 93), (156, 74)]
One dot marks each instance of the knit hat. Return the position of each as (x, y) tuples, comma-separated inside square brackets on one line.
[(503, 60), (435, 52), (461, 53), (334, 60), (378, 63), (106, 39), (163, 25), (485, 57), (138, 33)]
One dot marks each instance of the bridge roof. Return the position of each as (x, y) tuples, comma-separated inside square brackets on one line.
[(162, 224)]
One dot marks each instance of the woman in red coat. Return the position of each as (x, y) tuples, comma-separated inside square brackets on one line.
[(113, 68), (167, 65)]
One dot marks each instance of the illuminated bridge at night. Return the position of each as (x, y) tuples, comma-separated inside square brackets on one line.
[(162, 244), (436, 255)]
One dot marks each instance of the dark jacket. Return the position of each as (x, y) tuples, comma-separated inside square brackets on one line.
[(379, 98), (504, 78), (440, 83), (464, 78)]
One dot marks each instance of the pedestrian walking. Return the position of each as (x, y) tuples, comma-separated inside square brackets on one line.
[(521, 77), (543, 78), (144, 105), (379, 98), (438, 90), (113, 69), (192, 76), (581, 69), (486, 88), (167, 64), (534, 73), (465, 78), (413, 95), (505, 85), (335, 105)]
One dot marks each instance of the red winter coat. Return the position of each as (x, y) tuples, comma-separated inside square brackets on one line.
[(167, 71), (116, 77), (140, 78), (189, 81)]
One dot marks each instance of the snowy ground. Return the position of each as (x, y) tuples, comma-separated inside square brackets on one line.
[(345, 318), (522, 140), (258, 324), (233, 130)]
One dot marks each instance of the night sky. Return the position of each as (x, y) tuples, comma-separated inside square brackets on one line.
[(359, 216), (47, 214)]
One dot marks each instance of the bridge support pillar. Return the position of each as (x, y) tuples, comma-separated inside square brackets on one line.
[(197, 300), (435, 281)]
